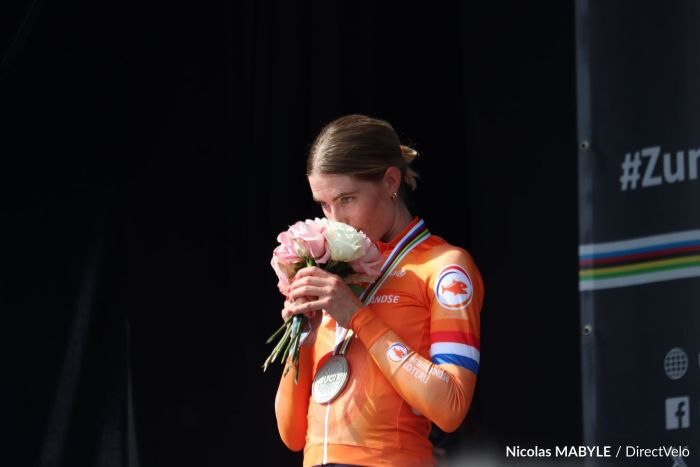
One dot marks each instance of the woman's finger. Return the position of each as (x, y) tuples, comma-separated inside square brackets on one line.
[(307, 291), (286, 313), (309, 305), (309, 271), (310, 314), (306, 280)]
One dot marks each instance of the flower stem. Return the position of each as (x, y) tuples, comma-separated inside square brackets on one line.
[(272, 337), (289, 344), (273, 355), (295, 334)]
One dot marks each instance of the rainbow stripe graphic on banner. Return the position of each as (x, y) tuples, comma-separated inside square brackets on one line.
[(639, 261)]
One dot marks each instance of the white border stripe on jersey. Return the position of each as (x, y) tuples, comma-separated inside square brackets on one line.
[(454, 348)]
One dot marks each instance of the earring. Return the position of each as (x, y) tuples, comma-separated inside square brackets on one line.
[(395, 195)]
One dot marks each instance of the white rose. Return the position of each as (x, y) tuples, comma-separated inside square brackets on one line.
[(346, 243)]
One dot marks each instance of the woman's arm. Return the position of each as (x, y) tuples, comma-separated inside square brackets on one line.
[(441, 392), (440, 388), (292, 402)]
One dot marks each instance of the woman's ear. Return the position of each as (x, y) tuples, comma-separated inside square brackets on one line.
[(392, 180)]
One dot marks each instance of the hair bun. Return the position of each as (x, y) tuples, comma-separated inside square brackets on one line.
[(409, 175), (408, 153)]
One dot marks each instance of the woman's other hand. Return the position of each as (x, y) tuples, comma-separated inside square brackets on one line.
[(315, 290)]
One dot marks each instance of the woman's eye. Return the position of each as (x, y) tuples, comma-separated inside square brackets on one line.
[(346, 199)]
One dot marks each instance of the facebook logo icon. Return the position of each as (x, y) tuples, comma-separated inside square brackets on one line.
[(677, 413)]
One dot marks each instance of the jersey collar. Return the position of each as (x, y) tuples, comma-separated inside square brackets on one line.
[(384, 246)]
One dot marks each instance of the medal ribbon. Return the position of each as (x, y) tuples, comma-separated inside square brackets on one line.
[(408, 242)]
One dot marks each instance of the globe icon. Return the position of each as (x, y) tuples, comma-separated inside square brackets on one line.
[(676, 363)]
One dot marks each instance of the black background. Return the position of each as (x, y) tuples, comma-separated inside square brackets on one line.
[(151, 152), (642, 60)]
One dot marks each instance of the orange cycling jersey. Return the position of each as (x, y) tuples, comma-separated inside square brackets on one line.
[(413, 360)]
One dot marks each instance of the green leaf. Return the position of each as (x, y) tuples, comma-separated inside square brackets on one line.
[(356, 289)]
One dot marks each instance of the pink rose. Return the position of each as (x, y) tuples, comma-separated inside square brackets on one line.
[(283, 260), (284, 273), (371, 263), (285, 251), (310, 240)]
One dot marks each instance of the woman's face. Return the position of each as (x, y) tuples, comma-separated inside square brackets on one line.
[(365, 205)]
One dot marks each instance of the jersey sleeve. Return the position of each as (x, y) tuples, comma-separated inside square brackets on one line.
[(455, 294), (441, 385), (292, 402)]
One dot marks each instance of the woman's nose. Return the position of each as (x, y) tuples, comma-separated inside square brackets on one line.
[(336, 214)]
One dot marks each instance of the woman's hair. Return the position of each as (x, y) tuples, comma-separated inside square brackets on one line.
[(361, 147)]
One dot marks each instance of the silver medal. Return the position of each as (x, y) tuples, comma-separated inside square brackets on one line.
[(330, 379)]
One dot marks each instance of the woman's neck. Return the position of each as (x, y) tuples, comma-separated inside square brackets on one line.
[(401, 219)]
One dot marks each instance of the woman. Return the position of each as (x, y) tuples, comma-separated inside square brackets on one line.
[(412, 354)]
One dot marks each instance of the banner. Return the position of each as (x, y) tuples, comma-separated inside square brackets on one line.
[(638, 92)]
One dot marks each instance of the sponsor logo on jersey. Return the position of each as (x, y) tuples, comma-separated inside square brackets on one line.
[(398, 273), (454, 288), (397, 352), (383, 299)]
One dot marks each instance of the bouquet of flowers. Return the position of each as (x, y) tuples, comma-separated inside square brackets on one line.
[(334, 247)]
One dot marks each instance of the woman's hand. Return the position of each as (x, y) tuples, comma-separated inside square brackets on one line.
[(287, 313), (315, 290), (309, 333)]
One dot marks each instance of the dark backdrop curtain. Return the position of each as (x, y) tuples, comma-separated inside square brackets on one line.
[(151, 152)]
